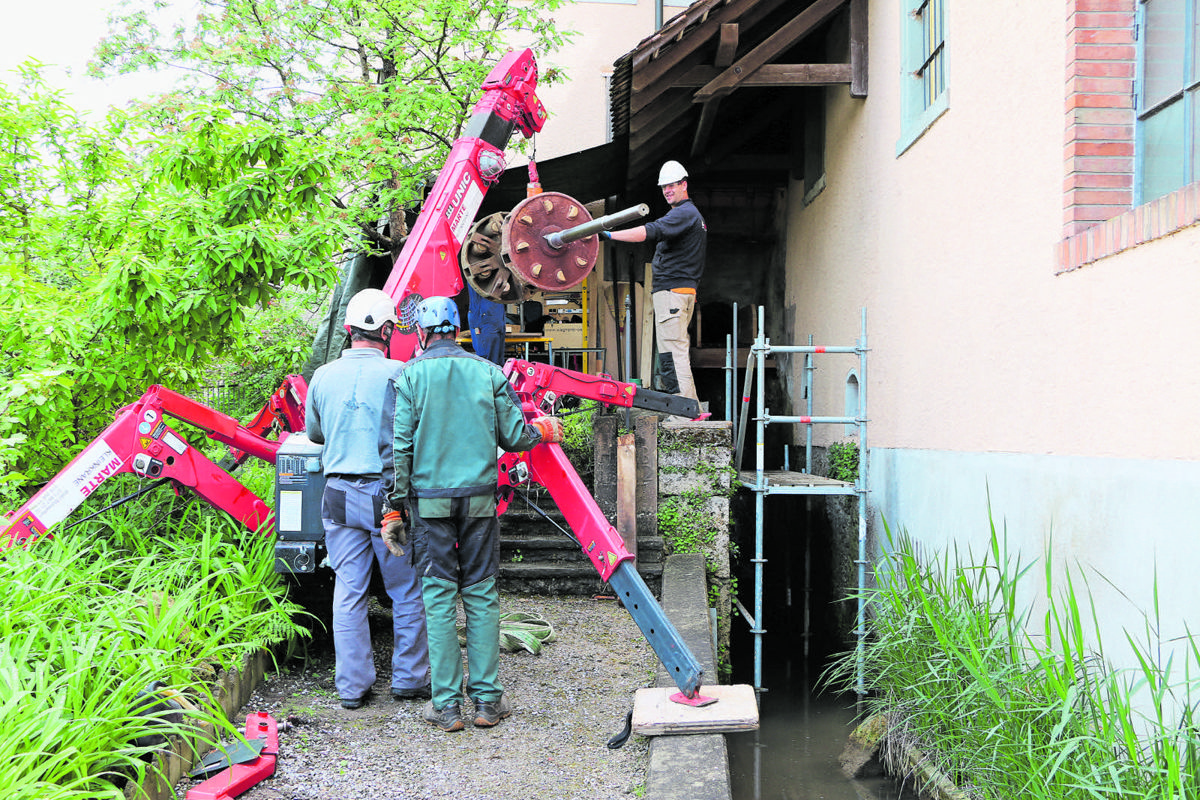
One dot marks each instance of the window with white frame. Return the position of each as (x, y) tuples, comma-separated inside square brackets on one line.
[(925, 76), (1168, 79)]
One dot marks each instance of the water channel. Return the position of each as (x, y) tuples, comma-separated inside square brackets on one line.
[(803, 726), (794, 753)]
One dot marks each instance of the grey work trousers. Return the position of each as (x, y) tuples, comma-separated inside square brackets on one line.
[(672, 315), (353, 544)]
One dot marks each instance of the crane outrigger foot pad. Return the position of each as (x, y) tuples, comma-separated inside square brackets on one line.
[(699, 701)]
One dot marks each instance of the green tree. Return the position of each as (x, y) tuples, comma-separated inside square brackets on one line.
[(131, 255), (385, 86), (132, 251)]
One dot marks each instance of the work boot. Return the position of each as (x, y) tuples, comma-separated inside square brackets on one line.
[(447, 719), (488, 714), (351, 703), (419, 693)]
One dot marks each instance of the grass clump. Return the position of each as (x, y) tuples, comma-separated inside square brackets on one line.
[(1008, 705), (167, 593)]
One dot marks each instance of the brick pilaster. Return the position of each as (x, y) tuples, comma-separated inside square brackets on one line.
[(1098, 140)]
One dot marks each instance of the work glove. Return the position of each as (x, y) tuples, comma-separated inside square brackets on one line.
[(550, 428), (604, 236), (394, 532)]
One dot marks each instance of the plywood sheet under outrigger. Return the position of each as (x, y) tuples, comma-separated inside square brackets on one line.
[(736, 709)]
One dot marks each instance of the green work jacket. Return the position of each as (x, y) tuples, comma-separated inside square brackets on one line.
[(451, 411)]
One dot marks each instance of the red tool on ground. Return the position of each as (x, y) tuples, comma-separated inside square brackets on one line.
[(237, 778)]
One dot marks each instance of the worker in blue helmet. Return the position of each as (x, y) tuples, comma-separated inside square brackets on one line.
[(451, 411)]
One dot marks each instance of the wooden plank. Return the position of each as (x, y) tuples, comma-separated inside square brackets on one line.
[(777, 75), (654, 714), (708, 116), (627, 493), (781, 478), (777, 43), (727, 46), (858, 48), (647, 347)]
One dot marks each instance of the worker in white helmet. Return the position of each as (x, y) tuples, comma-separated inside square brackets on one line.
[(344, 411), (678, 263)]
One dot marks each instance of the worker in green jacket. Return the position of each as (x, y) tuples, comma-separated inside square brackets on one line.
[(452, 411)]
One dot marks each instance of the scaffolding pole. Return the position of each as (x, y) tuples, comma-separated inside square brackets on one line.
[(756, 368)]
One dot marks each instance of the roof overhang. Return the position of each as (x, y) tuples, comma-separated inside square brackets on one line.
[(716, 87)]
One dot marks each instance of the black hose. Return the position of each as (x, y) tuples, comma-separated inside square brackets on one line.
[(618, 740)]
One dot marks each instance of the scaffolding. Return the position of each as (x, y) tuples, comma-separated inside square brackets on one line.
[(765, 483)]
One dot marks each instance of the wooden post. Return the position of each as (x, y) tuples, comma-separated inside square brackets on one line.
[(627, 492)]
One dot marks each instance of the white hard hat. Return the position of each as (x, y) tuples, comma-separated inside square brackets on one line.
[(369, 309), (671, 172)]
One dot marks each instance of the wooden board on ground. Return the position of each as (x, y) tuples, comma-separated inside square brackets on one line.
[(735, 710)]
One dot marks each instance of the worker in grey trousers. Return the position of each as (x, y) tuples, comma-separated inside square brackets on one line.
[(344, 412)]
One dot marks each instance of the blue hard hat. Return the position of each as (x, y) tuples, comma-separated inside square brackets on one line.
[(438, 314)]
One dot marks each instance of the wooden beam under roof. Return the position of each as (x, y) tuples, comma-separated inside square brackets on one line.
[(647, 72), (858, 48), (656, 78), (650, 124), (726, 51), (776, 44), (778, 75)]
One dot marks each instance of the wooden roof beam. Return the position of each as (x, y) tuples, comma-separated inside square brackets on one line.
[(647, 72), (726, 52), (793, 31), (858, 48), (778, 75)]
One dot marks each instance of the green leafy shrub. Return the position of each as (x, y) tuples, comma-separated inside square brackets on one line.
[(155, 590), (843, 461), (579, 437)]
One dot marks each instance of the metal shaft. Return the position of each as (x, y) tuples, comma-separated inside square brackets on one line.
[(559, 238)]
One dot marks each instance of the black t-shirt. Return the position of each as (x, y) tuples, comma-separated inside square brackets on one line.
[(679, 254)]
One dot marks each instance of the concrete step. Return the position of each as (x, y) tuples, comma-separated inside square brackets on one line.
[(541, 577), (556, 547), (537, 557)]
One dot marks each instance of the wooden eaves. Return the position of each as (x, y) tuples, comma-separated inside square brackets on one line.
[(697, 52)]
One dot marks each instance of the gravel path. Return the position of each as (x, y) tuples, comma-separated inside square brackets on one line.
[(567, 702)]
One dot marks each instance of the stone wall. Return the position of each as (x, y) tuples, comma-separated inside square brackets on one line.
[(695, 475)]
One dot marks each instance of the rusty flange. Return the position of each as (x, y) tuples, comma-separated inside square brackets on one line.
[(482, 265), (530, 257)]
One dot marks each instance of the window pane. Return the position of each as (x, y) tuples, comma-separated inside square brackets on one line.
[(1165, 39), (1164, 151), (933, 35)]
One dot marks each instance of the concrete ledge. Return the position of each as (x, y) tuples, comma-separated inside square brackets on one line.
[(693, 767)]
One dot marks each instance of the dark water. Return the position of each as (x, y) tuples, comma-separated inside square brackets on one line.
[(794, 753)]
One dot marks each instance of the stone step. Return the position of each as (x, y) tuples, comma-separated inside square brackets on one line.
[(564, 578), (557, 547), (537, 557)]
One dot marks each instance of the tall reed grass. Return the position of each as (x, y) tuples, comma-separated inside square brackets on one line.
[(152, 591), (1013, 706)]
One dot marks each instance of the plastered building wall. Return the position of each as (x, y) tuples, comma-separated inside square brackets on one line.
[(1066, 398), (578, 106)]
